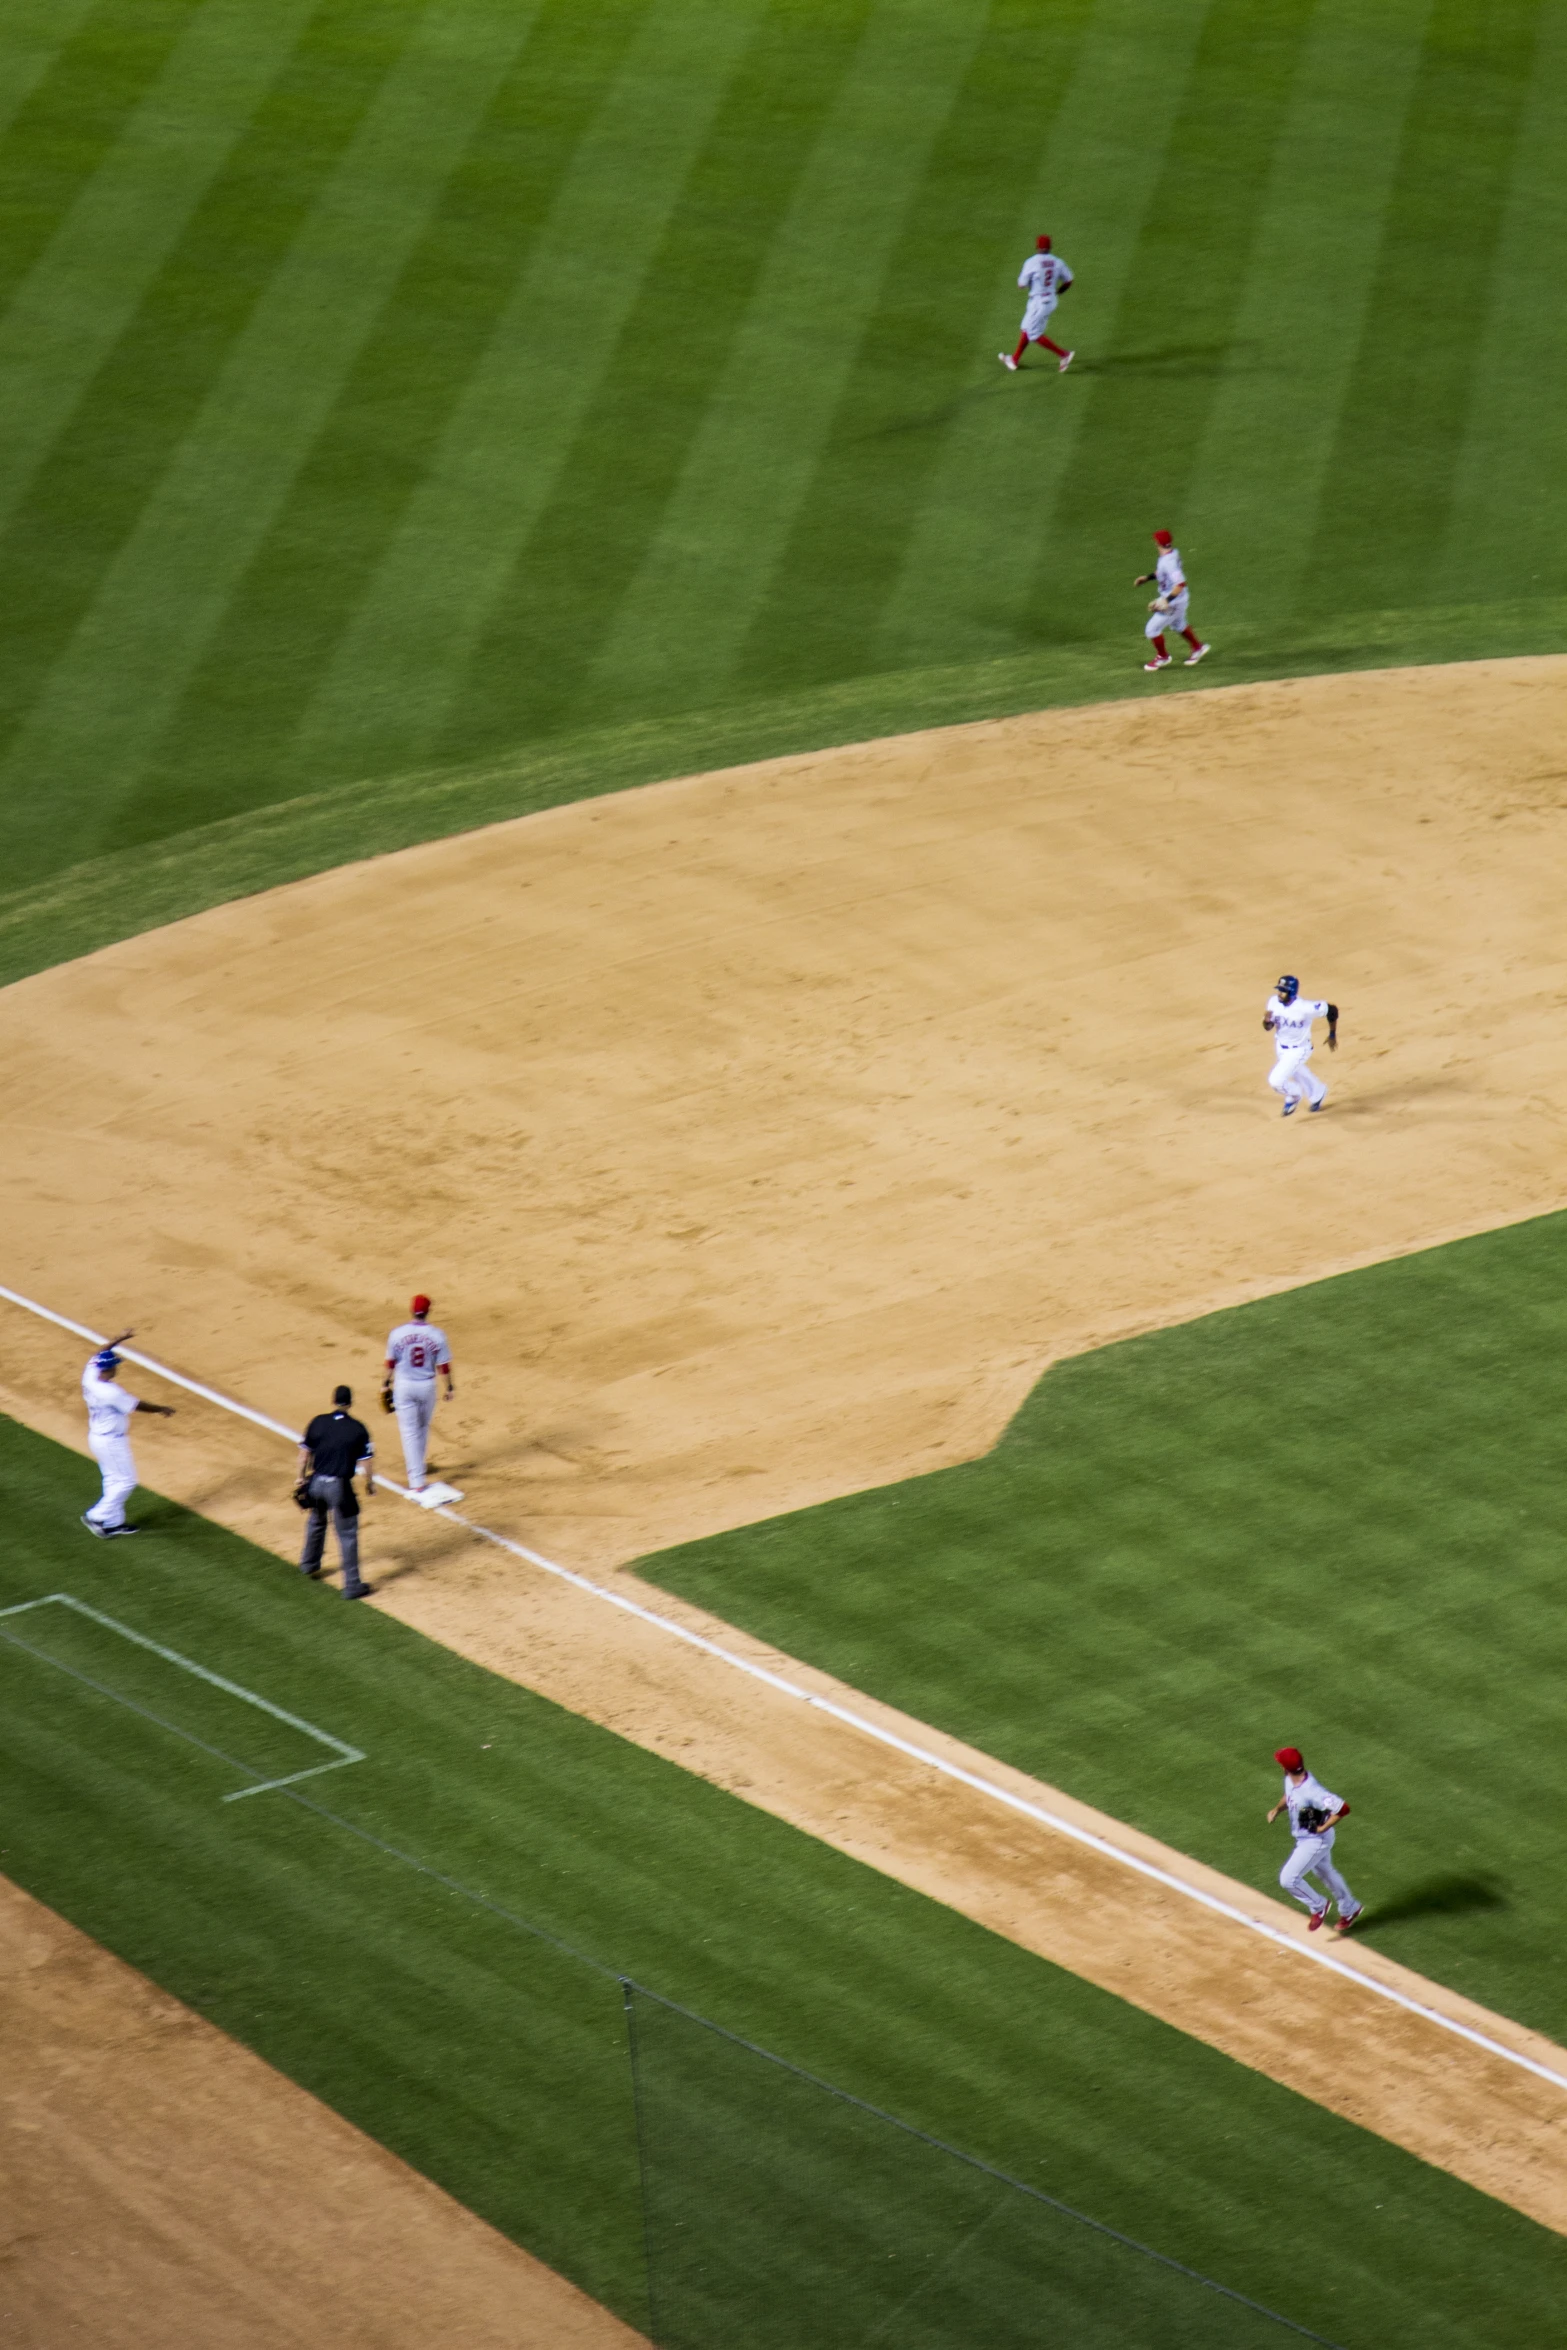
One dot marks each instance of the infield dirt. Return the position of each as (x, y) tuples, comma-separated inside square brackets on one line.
[(763, 1136)]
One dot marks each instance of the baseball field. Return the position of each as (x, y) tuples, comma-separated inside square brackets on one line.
[(569, 738)]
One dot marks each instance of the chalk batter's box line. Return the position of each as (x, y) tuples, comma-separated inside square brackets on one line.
[(342, 1752), (989, 1788)]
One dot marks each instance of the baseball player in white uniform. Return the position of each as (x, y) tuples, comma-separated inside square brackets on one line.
[(415, 1352), (1288, 1017), (1314, 1814), (109, 1411), (1044, 277), (1168, 609)]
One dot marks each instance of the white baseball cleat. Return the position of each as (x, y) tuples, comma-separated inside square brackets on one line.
[(1160, 661), (1066, 363), (1201, 654), (1290, 1108), (1007, 361)]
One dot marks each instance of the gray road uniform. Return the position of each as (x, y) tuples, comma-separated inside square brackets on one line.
[(1313, 1853), (415, 1352)]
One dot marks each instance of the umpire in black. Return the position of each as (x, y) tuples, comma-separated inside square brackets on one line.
[(335, 1447)]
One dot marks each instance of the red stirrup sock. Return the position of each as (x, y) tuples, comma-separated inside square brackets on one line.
[(1022, 346), (1193, 639), (1161, 648), (1046, 344)]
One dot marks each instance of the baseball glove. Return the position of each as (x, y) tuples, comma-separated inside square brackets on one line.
[(387, 1404), (1312, 1817), (302, 1494)]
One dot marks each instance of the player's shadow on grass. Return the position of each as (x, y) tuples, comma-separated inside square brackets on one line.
[(1174, 359), (1436, 1897), (929, 419)]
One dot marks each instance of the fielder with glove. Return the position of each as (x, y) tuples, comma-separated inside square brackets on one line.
[(1168, 609), (415, 1351), (1314, 1814)]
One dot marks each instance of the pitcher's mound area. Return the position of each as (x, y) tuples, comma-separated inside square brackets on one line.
[(764, 1135)]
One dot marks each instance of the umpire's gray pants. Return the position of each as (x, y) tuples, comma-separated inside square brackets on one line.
[(326, 1500)]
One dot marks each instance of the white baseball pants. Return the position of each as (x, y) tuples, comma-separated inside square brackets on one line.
[(1036, 318), (413, 1400), (1313, 1857), (1291, 1077), (113, 1456), (1175, 618)]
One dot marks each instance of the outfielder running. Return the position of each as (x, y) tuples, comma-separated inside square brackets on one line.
[(415, 1352), (1168, 609), (1044, 277), (1289, 1016), (1314, 1815), (109, 1411)]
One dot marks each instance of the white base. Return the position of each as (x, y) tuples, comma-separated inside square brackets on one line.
[(435, 1496)]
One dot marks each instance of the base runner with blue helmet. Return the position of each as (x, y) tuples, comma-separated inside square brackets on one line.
[(1288, 1018), (109, 1410)]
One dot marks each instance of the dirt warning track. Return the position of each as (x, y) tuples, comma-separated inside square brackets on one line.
[(763, 1136)]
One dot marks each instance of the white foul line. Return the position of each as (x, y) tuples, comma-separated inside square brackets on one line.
[(989, 1788)]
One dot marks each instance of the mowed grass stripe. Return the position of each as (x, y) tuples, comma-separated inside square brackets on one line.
[(679, 634), (84, 499), (927, 495), (1389, 495), (110, 695), (1516, 324), (77, 299), (497, 2066), (1329, 1518), (915, 369), (77, 83), (239, 716), (652, 397), (403, 659), (988, 500), (1301, 314), (1176, 324), (33, 35)]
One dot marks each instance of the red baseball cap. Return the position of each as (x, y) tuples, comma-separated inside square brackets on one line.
[(1041, 244), (1291, 1757), (421, 1305), (1162, 538)]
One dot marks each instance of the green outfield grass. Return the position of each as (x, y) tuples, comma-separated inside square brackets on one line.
[(412, 415), (554, 395), (1330, 1520), (495, 2062)]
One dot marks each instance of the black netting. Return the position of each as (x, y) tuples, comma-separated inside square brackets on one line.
[(783, 2215)]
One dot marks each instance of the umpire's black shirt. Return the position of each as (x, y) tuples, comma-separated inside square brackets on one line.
[(337, 1443)]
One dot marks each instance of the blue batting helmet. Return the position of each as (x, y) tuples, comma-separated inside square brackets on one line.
[(106, 1360), (1288, 988)]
